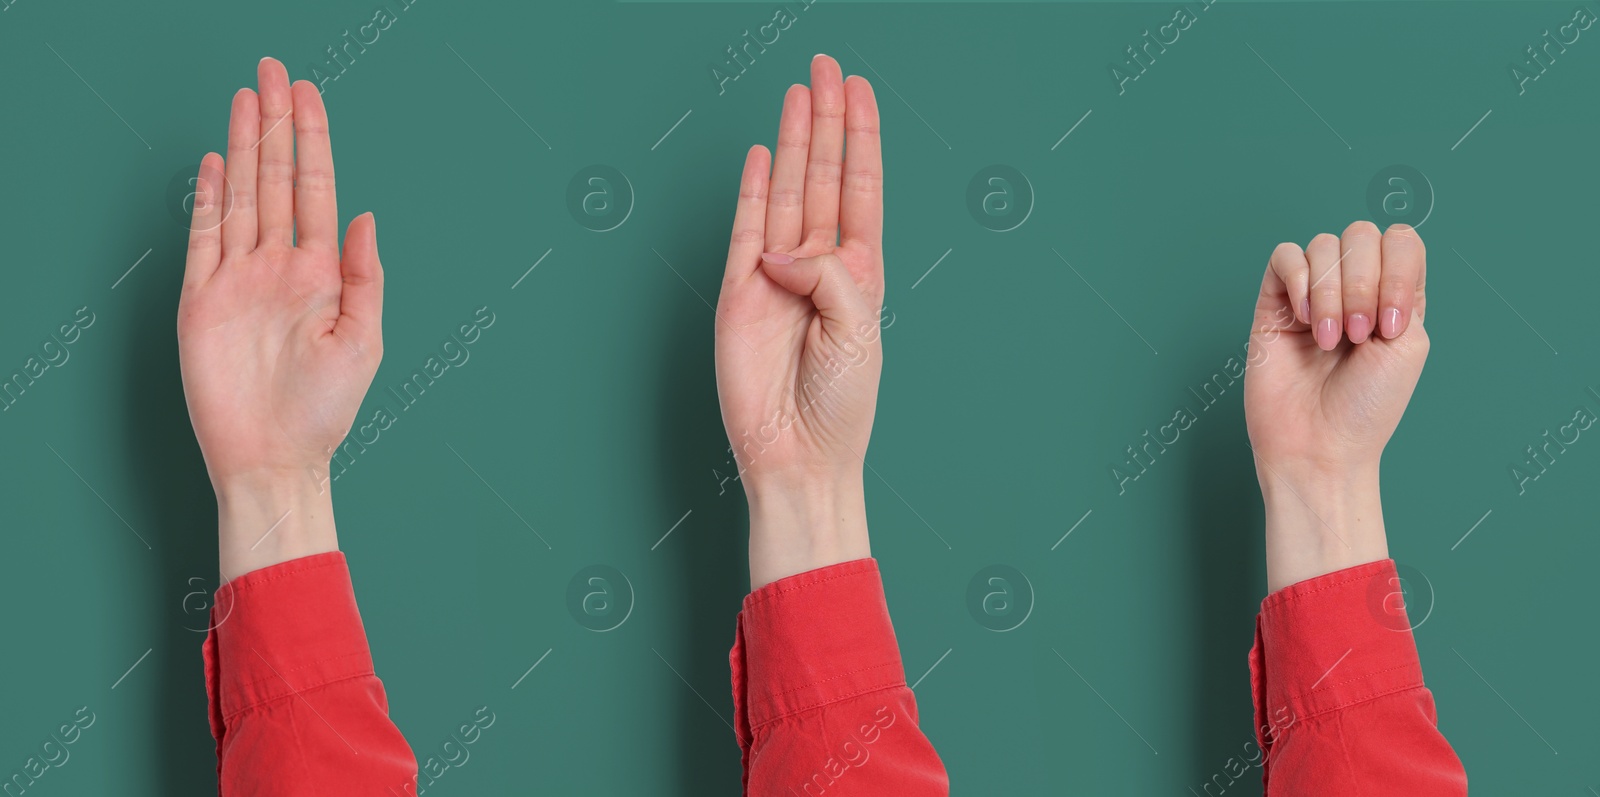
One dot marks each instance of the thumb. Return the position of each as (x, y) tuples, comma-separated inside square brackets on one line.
[(361, 299), (827, 282)]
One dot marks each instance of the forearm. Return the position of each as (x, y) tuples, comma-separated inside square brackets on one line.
[(266, 518), (1320, 520), (801, 524)]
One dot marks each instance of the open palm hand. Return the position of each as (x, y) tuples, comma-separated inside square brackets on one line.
[(797, 344), (278, 334)]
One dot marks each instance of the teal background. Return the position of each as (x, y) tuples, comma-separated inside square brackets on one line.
[(1011, 385)]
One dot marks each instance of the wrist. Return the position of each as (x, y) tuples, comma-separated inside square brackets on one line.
[(269, 479), (801, 525), (265, 518), (1319, 521)]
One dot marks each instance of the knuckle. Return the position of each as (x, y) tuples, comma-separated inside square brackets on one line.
[(786, 197), (1323, 241), (1360, 230), (203, 241), (823, 172), (1396, 288), (1359, 286), (748, 235), (863, 180), (827, 107), (794, 141), (315, 179), (818, 237), (275, 171), (862, 126), (272, 119), (1325, 293), (1403, 236)]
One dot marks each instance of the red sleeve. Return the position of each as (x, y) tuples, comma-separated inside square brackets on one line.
[(1339, 701), (295, 706), (819, 694)]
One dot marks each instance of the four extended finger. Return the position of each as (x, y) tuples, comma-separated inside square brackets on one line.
[(205, 225), (316, 206), (749, 219), (275, 157), (244, 130), (861, 194), (786, 199), (826, 160)]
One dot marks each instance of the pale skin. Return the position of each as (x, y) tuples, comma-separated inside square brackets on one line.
[(279, 331), (280, 334), (798, 349), (1335, 352)]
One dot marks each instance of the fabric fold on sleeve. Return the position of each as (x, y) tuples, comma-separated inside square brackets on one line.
[(295, 706), (285, 629), (1340, 703), (1334, 641), (816, 638), (820, 698)]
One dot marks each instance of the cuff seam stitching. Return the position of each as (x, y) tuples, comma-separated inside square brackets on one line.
[(754, 727), (268, 701), (251, 584), (1284, 596), (1373, 674), (1360, 700), (813, 684), (757, 600), (279, 675)]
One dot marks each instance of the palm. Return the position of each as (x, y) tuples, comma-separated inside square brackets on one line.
[(278, 335), (798, 384), (266, 380), (789, 348)]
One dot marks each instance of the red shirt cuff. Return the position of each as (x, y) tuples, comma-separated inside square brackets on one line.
[(281, 630), (1331, 642), (812, 639)]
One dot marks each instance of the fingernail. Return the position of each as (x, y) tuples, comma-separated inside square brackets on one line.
[(1360, 326), (776, 258), (1305, 311), (1327, 333), (1391, 322)]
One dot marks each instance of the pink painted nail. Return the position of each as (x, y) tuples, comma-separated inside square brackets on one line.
[(1391, 322), (1305, 311), (1327, 333), (777, 258), (1359, 327)]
